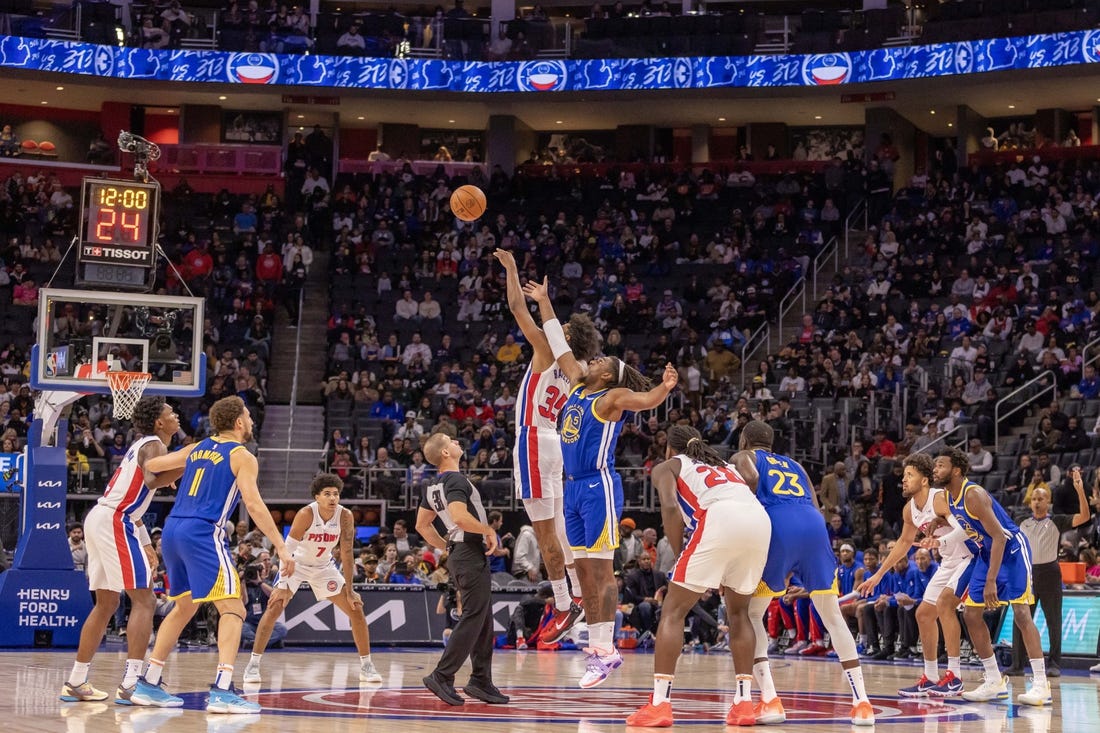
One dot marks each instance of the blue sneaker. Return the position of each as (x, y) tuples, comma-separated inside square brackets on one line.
[(949, 686), (228, 701), (921, 689), (147, 695)]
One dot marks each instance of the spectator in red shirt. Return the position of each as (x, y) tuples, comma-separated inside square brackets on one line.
[(882, 447), (198, 263), (269, 266)]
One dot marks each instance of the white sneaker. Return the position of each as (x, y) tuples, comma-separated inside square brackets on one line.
[(989, 690), (252, 674), (1095, 668), (1038, 694), (599, 666), (368, 673)]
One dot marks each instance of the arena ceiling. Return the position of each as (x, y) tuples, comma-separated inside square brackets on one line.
[(929, 104)]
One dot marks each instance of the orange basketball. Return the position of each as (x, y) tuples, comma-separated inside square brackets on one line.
[(276, 516), (288, 515), (371, 516), (468, 203)]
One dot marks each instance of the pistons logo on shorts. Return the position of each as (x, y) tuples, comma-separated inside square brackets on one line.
[(332, 585)]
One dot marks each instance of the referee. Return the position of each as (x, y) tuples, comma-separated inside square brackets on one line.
[(1043, 531), (454, 504)]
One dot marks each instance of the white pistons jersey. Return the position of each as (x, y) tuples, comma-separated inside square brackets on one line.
[(924, 516), (126, 491), (315, 549), (541, 397), (700, 486)]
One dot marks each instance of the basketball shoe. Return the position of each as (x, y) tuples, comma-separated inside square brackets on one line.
[(948, 686), (599, 666), (921, 689), (1038, 694), (84, 692), (989, 690), (652, 716), (368, 673), (228, 701), (741, 713), (770, 712), (863, 713), (252, 673), (560, 623)]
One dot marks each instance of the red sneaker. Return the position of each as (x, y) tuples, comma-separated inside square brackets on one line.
[(770, 712), (652, 716), (814, 650), (560, 623), (741, 713)]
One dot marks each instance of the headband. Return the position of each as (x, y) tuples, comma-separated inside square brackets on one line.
[(622, 370)]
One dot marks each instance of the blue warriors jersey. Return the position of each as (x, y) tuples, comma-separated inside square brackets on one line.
[(782, 480), (208, 488), (846, 578), (587, 440), (978, 539)]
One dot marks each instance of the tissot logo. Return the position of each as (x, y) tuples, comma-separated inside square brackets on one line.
[(117, 253)]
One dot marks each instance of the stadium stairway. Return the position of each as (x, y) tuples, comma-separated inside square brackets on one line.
[(285, 473), (313, 349)]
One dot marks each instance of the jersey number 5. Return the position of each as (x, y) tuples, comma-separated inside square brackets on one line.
[(782, 478), (555, 400)]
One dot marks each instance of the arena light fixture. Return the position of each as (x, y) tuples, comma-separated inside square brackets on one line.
[(60, 89)]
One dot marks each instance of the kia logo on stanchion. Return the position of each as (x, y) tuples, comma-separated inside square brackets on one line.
[(49, 484)]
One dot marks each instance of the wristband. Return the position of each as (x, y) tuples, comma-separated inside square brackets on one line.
[(291, 545), (555, 336), (143, 535)]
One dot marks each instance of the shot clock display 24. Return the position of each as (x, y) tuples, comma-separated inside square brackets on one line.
[(117, 232)]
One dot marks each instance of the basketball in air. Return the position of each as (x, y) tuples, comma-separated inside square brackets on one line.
[(468, 202)]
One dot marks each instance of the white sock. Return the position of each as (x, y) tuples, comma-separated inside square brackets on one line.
[(662, 688), (744, 689), (855, 680), (133, 671), (574, 580), (254, 660), (561, 594), (601, 636), (992, 671), (79, 675), (153, 671), (1038, 671), (364, 660), (931, 670), (762, 673), (954, 666), (223, 680)]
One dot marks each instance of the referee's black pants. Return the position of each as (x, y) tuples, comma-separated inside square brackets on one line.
[(473, 634), (1046, 586)]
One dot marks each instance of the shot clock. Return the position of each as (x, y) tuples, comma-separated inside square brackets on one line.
[(117, 233)]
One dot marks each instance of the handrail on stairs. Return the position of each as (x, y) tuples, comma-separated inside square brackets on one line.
[(1051, 386), (760, 337), (859, 210), (786, 303), (831, 250)]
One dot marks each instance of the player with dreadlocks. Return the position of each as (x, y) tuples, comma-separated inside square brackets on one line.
[(730, 532)]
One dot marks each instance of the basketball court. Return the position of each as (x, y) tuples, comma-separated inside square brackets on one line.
[(317, 691)]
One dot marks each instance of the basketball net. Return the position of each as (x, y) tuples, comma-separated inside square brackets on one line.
[(126, 389)]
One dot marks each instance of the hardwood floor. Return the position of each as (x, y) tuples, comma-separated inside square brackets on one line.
[(317, 691)]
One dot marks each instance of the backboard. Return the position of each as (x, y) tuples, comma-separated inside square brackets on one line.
[(83, 334)]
